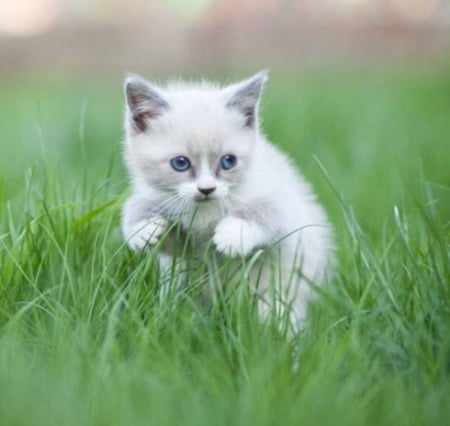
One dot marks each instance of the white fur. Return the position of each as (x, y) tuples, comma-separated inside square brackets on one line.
[(237, 237), (260, 202), (147, 232)]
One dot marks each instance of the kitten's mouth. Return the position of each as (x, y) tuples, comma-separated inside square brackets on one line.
[(202, 200)]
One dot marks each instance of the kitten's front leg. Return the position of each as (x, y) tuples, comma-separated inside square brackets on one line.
[(141, 225), (235, 236)]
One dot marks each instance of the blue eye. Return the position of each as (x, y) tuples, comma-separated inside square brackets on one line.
[(180, 164), (228, 161)]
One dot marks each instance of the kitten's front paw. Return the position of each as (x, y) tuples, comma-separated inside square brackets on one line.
[(236, 237), (147, 233)]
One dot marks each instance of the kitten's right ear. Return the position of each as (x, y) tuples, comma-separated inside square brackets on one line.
[(145, 102), (244, 96)]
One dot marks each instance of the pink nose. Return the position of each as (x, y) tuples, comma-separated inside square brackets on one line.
[(207, 191)]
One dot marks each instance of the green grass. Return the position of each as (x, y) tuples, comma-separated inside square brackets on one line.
[(85, 338)]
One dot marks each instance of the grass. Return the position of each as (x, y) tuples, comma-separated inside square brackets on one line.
[(85, 338)]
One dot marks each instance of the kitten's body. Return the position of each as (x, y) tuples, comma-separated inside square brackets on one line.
[(259, 201)]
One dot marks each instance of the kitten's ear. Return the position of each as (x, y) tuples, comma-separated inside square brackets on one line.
[(145, 102), (244, 96)]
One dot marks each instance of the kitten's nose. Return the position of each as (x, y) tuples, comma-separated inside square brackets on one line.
[(207, 191)]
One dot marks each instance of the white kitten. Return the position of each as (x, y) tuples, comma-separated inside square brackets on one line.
[(196, 155)]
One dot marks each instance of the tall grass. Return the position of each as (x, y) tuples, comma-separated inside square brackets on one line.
[(86, 338)]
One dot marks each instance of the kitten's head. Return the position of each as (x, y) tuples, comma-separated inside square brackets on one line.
[(192, 141)]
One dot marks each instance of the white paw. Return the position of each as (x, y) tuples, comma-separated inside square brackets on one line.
[(236, 237), (147, 233)]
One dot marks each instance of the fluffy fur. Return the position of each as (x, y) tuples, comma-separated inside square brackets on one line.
[(258, 202)]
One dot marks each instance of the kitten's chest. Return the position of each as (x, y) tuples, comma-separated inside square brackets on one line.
[(202, 221)]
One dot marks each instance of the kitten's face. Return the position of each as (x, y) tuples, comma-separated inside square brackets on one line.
[(194, 142)]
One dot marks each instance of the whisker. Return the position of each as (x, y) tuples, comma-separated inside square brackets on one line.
[(223, 206), (165, 204), (182, 208)]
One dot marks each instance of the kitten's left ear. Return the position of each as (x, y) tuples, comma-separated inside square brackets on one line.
[(245, 95), (145, 102)]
